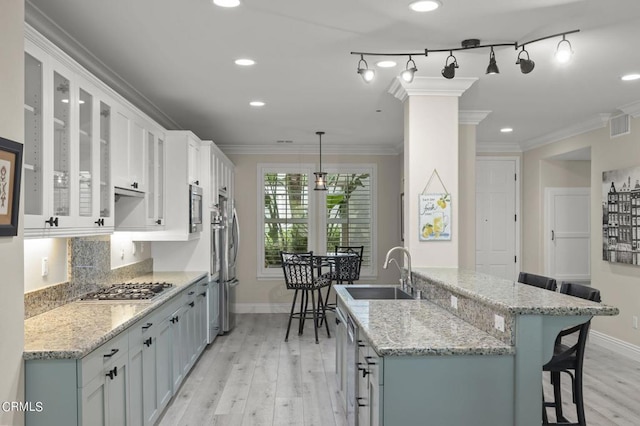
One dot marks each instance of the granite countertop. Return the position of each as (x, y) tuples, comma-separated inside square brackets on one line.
[(417, 328), (510, 296), (73, 330)]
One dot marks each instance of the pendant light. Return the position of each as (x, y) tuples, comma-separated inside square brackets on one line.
[(493, 66), (321, 177)]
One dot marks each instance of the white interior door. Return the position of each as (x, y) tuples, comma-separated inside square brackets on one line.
[(568, 234), (496, 220)]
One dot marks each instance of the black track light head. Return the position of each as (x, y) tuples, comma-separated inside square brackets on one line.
[(526, 65), (449, 70), (493, 66), (363, 69), (409, 72)]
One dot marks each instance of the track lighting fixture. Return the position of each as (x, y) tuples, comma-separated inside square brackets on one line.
[(526, 65), (563, 51), (410, 70), (367, 74), (493, 66), (321, 177), (563, 54), (449, 70)]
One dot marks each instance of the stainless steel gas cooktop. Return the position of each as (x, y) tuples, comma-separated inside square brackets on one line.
[(130, 291)]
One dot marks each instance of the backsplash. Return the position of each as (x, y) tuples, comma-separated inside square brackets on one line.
[(88, 267), (472, 311)]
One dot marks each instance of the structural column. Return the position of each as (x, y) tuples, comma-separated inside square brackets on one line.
[(431, 142)]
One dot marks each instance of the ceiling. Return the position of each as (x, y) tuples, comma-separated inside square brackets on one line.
[(180, 56)]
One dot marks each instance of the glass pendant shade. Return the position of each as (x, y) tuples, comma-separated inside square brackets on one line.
[(321, 177), (321, 181), (564, 51)]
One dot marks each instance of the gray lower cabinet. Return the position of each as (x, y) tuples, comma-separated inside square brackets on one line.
[(103, 394), (130, 379)]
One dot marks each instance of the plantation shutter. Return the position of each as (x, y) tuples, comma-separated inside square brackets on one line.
[(286, 215), (349, 212)]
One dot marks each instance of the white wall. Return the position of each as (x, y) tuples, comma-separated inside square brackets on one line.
[(619, 284), (55, 250), (11, 248), (124, 251), (388, 221)]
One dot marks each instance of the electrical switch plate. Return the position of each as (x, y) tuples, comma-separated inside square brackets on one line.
[(454, 302), (45, 267), (122, 254), (499, 322), (133, 248), (635, 322)]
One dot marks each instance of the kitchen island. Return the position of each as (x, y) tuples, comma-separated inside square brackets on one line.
[(478, 363)]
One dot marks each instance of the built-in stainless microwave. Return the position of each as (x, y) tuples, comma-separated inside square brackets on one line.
[(195, 208)]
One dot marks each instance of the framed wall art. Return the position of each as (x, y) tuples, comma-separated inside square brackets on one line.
[(621, 216), (10, 175), (434, 216)]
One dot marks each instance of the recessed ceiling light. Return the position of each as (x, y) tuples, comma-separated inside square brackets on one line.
[(227, 3), (425, 5), (257, 103), (386, 64), (245, 62), (506, 130), (630, 77)]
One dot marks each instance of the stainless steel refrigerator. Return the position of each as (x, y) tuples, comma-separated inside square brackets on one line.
[(229, 239)]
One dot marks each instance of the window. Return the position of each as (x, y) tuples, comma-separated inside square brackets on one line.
[(286, 207), (294, 217), (349, 212)]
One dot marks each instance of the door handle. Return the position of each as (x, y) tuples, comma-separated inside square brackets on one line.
[(553, 235)]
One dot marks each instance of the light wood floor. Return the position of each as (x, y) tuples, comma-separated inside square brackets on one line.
[(252, 377)]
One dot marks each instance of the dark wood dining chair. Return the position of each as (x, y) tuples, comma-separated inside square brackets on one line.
[(300, 275), (569, 358)]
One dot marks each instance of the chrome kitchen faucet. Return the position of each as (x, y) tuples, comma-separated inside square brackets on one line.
[(405, 274)]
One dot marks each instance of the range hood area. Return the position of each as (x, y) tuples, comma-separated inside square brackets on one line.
[(126, 192), (129, 213)]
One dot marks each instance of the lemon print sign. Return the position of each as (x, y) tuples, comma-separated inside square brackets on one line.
[(435, 217)]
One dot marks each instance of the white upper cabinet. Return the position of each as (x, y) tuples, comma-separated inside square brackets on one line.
[(221, 175), (64, 162), (194, 160), (155, 178), (130, 140)]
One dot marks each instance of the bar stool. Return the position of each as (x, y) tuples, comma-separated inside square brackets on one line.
[(299, 275), (569, 358), (345, 268)]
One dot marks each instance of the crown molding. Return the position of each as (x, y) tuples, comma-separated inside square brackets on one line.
[(293, 149), (633, 109), (429, 86), (596, 122), (76, 51), (472, 116), (497, 147)]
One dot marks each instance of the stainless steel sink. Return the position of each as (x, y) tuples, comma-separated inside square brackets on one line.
[(377, 293)]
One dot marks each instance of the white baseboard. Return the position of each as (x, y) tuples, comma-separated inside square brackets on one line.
[(263, 308), (618, 346)]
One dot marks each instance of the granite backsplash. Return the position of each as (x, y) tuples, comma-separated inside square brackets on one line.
[(88, 267)]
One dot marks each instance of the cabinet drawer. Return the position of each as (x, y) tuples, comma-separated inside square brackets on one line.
[(142, 329), (95, 363)]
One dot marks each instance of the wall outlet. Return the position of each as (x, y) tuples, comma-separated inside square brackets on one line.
[(133, 248), (45, 270), (498, 322), (454, 302), (635, 322), (122, 253)]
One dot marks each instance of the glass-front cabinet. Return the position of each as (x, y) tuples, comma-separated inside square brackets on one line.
[(155, 178), (66, 151)]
